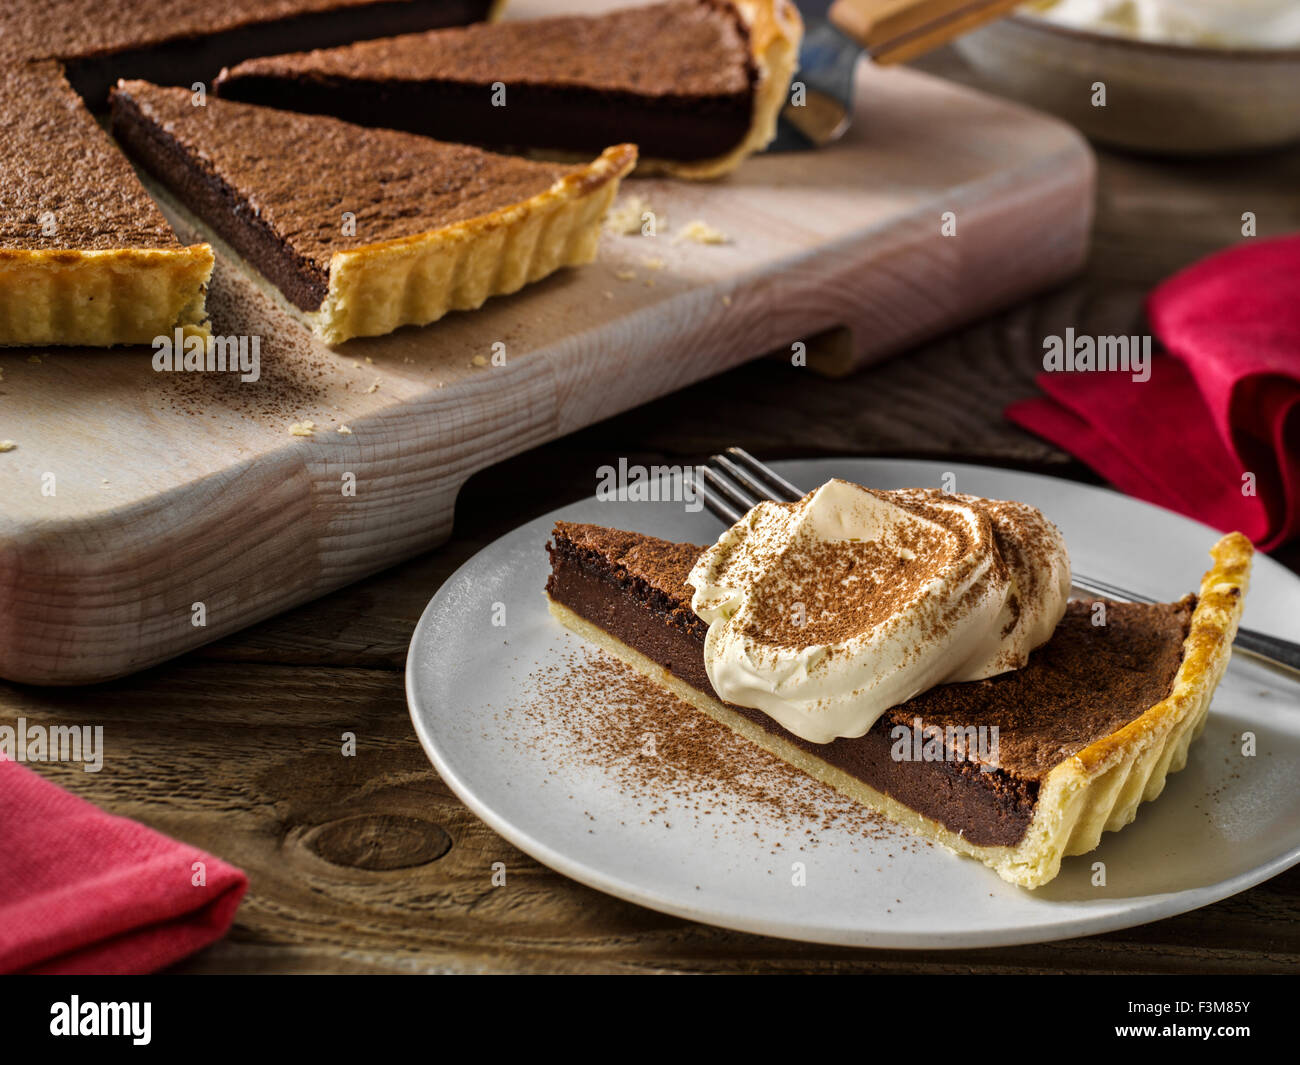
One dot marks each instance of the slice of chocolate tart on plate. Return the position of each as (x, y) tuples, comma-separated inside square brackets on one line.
[(1086, 731)]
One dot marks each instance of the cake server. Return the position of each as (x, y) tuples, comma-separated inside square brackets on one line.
[(837, 33)]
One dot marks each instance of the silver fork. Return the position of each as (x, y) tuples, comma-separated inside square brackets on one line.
[(734, 481)]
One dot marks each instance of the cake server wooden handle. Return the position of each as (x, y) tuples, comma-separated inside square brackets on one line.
[(892, 31)]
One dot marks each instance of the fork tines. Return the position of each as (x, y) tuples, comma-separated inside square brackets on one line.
[(732, 482)]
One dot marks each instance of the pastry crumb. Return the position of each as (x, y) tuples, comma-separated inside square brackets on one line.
[(625, 275), (478, 360), (374, 387), (7, 445), (625, 217), (700, 232), (307, 428), (344, 430)]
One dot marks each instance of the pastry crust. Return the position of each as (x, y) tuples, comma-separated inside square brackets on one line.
[(415, 280), (101, 298), (1096, 790), (775, 30), (1100, 788)]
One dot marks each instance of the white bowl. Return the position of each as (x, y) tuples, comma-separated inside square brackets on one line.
[(1165, 98)]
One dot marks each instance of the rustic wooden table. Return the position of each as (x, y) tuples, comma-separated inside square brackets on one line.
[(369, 864)]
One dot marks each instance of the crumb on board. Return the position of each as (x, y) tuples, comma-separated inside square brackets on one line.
[(478, 360), (628, 216), (344, 430), (374, 387), (7, 445), (625, 275), (307, 428), (700, 232)]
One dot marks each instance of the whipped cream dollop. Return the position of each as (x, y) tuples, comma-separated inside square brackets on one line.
[(1204, 23), (825, 613)]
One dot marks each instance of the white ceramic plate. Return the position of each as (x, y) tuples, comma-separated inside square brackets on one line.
[(1223, 824)]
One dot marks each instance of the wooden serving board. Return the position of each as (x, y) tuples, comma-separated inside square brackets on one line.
[(132, 495)]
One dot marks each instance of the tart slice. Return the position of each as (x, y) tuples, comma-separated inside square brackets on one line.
[(86, 257), (366, 230), (1087, 731), (696, 84)]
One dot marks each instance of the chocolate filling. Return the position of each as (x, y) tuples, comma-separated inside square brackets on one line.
[(677, 79), (184, 60), (539, 116), (1086, 682), (50, 148), (278, 186), (302, 281)]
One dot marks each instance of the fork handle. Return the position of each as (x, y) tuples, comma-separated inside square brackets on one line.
[(896, 30), (1271, 649)]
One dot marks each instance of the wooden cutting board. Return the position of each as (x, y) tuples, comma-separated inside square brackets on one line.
[(132, 495)]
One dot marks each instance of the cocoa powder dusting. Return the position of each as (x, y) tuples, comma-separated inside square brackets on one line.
[(592, 710)]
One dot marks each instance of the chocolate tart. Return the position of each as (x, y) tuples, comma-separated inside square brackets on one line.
[(178, 42), (696, 84), (86, 257), (366, 230), (1088, 730)]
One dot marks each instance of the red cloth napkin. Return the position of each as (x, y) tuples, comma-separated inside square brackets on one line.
[(83, 892), (1225, 401)]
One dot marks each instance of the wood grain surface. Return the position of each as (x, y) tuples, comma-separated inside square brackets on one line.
[(369, 864)]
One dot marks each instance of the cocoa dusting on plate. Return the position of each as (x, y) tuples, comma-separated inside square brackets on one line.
[(591, 710)]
